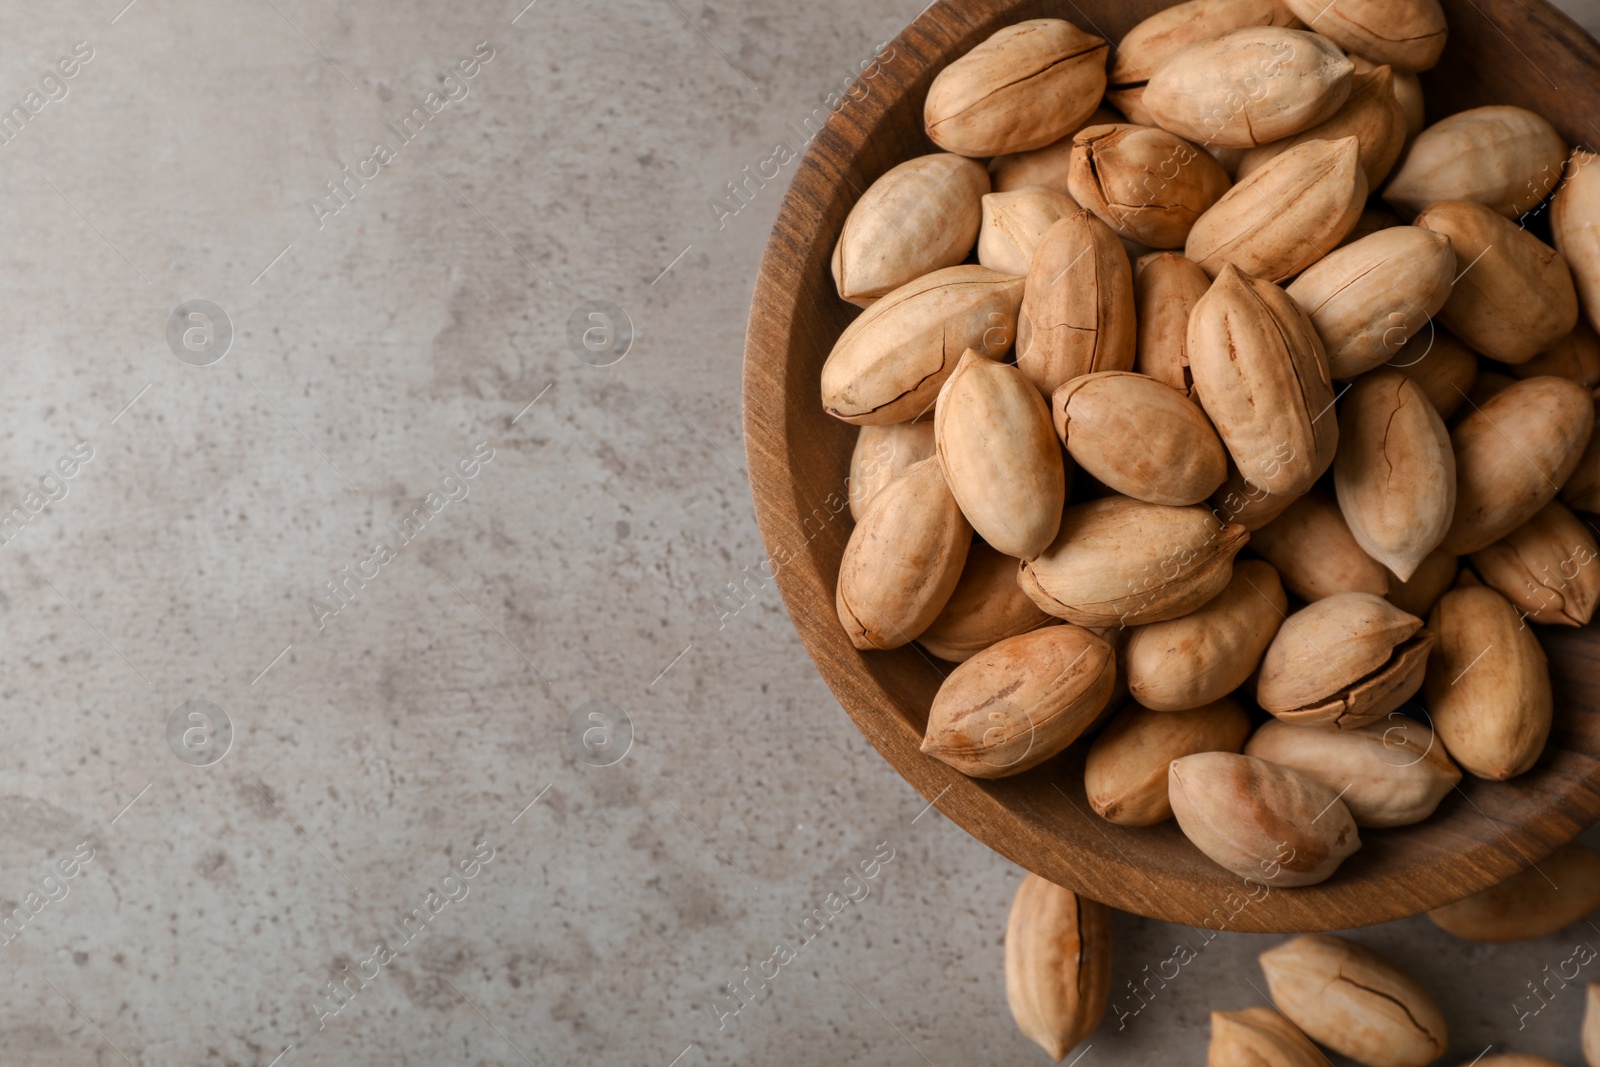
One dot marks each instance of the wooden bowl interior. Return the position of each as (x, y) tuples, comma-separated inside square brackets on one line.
[(1501, 51)]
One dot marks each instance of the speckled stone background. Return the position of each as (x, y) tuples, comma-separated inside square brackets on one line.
[(419, 322)]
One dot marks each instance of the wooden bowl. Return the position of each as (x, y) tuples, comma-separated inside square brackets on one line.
[(1501, 51)]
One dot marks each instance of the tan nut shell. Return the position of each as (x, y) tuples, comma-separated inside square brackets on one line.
[(1354, 1001), (1249, 86), (1147, 45), (1261, 376), (1408, 90), (1409, 35), (1546, 567), (1289, 213), (1262, 822), (1396, 472), (1020, 702), (1444, 367), (1575, 356), (1371, 221), (1139, 437), (1517, 299), (987, 607), (1117, 638), (918, 217), (1556, 892), (1227, 158), (1166, 287), (1369, 298), (881, 455), (1581, 491), (1125, 774), (1047, 166), (1591, 1027), (1371, 115), (888, 365), (1118, 561), (1487, 384), (1512, 454), (1027, 85), (1436, 573), (1015, 222), (1000, 456), (1205, 655), (1488, 686), (1243, 501), (1575, 227), (1506, 158), (1058, 964), (1146, 184), (1349, 659), (1392, 772), (1077, 311), (1259, 1037), (1316, 554), (903, 560)]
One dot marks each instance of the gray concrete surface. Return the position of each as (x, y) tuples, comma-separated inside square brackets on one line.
[(379, 344)]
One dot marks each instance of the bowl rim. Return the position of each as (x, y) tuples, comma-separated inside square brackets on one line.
[(999, 813)]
